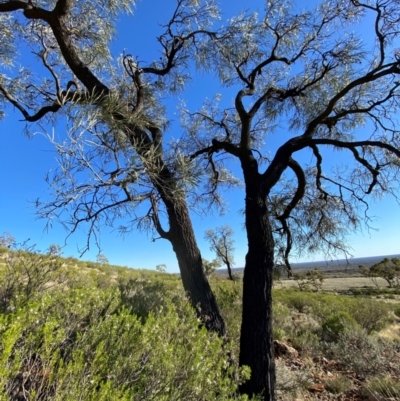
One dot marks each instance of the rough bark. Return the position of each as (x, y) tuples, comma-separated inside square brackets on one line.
[(195, 283), (256, 341)]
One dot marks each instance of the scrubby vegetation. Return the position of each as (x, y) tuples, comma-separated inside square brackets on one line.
[(73, 330), (388, 269)]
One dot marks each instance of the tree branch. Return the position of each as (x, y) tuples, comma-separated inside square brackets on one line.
[(301, 186), (156, 221)]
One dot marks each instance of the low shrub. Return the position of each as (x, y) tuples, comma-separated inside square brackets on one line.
[(83, 345), (24, 275), (301, 301), (312, 280), (142, 296), (386, 386), (337, 323), (338, 384), (281, 318), (291, 384), (370, 314), (363, 354), (309, 344)]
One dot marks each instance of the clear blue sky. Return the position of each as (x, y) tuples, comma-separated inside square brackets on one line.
[(24, 163)]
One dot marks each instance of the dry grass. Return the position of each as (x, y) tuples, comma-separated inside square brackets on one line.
[(340, 284), (391, 332)]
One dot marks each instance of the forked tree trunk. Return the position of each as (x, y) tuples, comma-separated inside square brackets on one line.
[(195, 283), (256, 340)]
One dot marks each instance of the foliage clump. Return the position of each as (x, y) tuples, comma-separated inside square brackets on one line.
[(81, 339), (337, 323), (388, 269), (82, 344)]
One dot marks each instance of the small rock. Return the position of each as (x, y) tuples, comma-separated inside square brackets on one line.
[(316, 388), (282, 349)]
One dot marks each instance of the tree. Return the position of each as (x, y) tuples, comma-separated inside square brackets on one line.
[(102, 259), (162, 268), (113, 159), (311, 78), (388, 269), (221, 242), (312, 280)]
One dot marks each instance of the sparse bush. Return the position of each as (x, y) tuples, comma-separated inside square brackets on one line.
[(290, 384), (7, 241), (102, 259), (26, 273), (386, 386), (370, 314), (338, 384), (210, 266), (278, 272), (312, 280), (364, 354)]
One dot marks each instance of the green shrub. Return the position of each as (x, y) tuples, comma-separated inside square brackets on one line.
[(370, 314), (24, 275), (281, 318), (142, 297), (83, 345), (301, 301), (229, 299), (3, 250), (336, 323)]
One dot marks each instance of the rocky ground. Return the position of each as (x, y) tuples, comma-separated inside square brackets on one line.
[(323, 379)]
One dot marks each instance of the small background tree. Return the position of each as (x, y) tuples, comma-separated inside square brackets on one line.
[(102, 259), (161, 268), (312, 280), (388, 269), (222, 243)]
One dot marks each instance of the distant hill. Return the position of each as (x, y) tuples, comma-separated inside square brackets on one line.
[(329, 265)]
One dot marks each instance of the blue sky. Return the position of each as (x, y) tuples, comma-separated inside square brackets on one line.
[(24, 163)]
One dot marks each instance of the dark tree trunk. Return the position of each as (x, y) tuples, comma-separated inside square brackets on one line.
[(228, 266), (195, 283), (256, 341)]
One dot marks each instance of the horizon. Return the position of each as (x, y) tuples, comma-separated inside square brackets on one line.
[(329, 262)]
